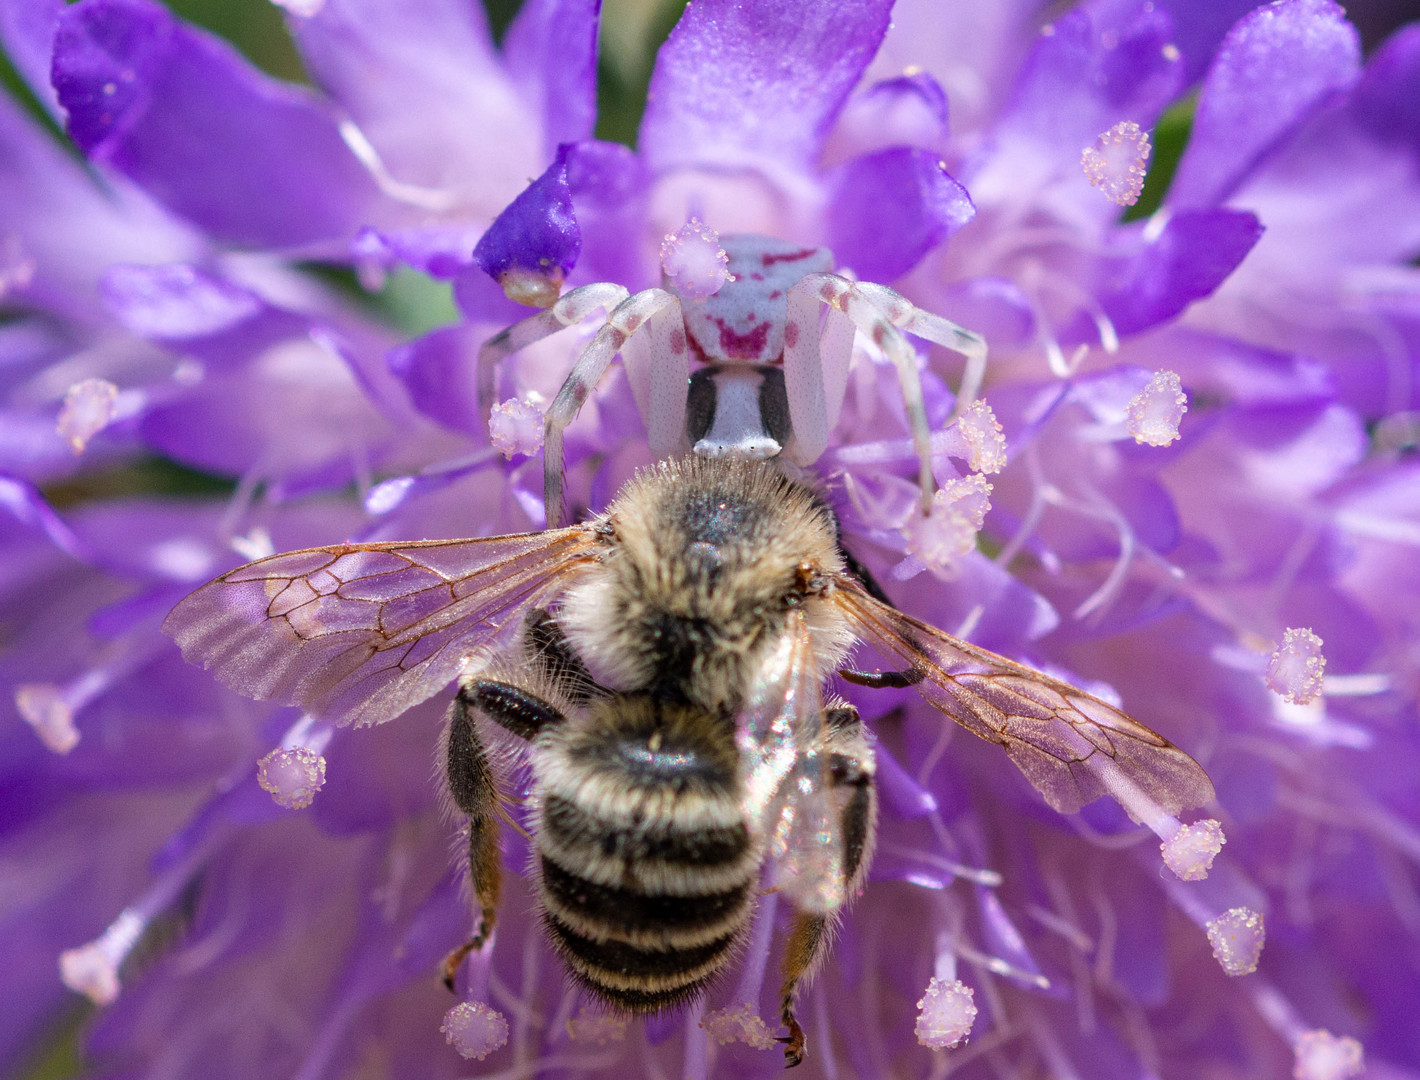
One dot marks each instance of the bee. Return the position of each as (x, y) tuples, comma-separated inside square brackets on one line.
[(666, 663)]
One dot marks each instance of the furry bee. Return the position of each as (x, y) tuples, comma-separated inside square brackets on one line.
[(666, 662)]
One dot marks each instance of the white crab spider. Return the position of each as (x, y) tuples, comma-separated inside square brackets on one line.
[(772, 375)]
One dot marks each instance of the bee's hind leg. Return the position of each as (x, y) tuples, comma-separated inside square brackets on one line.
[(850, 757), (474, 793)]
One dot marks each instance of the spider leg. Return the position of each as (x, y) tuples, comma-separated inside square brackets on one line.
[(816, 363), (627, 318), (923, 324), (569, 310), (847, 297), (657, 362)]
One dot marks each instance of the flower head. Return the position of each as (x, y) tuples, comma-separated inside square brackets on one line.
[(288, 919)]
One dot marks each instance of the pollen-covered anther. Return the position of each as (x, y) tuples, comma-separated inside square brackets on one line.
[(740, 1023), (534, 288), (92, 969), (515, 427), (46, 709), (1237, 937), (1297, 667), (946, 1012), (475, 1029), (597, 1028), (88, 408), (291, 776), (1117, 162), (1190, 852), (943, 537), (982, 431), (1153, 414), (693, 261), (1322, 1056)]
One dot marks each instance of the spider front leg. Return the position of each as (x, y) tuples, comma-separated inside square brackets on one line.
[(658, 368), (569, 310), (816, 363)]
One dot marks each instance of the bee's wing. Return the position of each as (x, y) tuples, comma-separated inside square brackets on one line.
[(361, 632), (787, 782), (1072, 746)]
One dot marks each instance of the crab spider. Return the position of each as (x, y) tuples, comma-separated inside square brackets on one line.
[(772, 374)]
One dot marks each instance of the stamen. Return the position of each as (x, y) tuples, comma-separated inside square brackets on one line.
[(92, 969), (693, 262), (1322, 1056), (1237, 937), (475, 1029), (88, 408), (948, 533), (597, 1028), (516, 427), (47, 709), (1190, 852), (740, 1023), (982, 431), (1154, 413), (17, 268), (1296, 668), (364, 150), (1117, 162), (292, 777), (947, 1011)]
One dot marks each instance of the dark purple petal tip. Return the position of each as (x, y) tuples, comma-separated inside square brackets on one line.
[(533, 244)]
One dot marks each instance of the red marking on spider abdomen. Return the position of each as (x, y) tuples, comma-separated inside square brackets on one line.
[(769, 258), (749, 345)]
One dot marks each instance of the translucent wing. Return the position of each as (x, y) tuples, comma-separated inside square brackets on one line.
[(360, 632), (787, 781), (1072, 746)]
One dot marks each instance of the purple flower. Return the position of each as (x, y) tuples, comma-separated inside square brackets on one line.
[(1205, 508)]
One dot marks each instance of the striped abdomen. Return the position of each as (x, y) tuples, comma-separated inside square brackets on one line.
[(647, 870)]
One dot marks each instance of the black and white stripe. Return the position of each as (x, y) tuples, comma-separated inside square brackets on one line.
[(647, 868)]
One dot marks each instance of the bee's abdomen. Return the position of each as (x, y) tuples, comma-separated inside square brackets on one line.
[(648, 872)]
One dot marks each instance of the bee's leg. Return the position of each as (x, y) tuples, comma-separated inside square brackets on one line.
[(471, 785), (878, 680), (557, 660), (851, 767)]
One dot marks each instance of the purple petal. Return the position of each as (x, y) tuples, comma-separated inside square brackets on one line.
[(1191, 257), (1387, 100), (250, 159), (1276, 67), (608, 183), (27, 33), (1198, 27), (427, 91), (889, 209), (551, 52), (1091, 69), (536, 238), (973, 50), (909, 110), (175, 301), (440, 372), (441, 251), (756, 85)]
